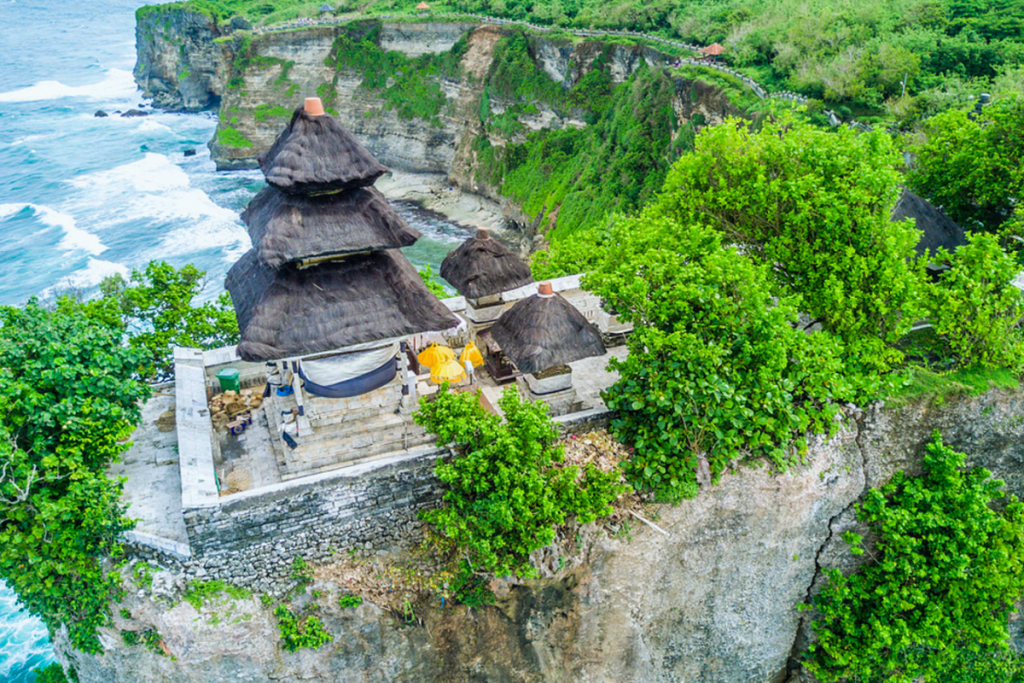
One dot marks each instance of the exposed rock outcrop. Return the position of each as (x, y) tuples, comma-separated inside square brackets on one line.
[(716, 601)]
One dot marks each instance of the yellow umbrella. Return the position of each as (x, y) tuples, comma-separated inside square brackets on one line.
[(472, 354), (447, 371), (434, 354)]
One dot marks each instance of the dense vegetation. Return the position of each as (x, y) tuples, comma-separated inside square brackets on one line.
[(68, 396), (508, 488), (947, 567), (71, 386), (904, 58)]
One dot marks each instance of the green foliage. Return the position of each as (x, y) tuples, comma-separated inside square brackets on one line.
[(429, 279), (54, 673), (974, 169), (715, 368), (346, 601), (816, 206), (976, 308), (411, 87), (915, 382), (574, 177), (301, 572), (68, 397), (200, 592), (231, 137), (506, 489), (149, 637), (158, 309), (298, 633), (268, 111), (947, 568), (143, 575)]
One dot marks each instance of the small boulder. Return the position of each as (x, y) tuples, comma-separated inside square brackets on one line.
[(190, 152), (240, 24), (131, 113), (100, 114)]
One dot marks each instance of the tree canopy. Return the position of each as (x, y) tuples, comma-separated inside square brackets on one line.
[(69, 396)]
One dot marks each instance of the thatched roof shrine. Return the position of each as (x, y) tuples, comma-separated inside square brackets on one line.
[(292, 227), (546, 331), (289, 312), (482, 266), (315, 154), (936, 230)]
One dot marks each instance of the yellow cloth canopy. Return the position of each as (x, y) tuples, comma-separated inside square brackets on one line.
[(435, 354), (472, 354), (447, 371)]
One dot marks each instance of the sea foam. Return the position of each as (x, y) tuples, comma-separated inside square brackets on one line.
[(74, 237), (117, 85)]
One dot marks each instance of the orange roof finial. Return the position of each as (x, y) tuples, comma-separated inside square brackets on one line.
[(545, 289), (314, 107)]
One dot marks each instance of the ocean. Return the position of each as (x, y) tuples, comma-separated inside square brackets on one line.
[(83, 197)]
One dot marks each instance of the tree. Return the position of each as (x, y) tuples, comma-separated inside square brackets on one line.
[(68, 398), (976, 308), (946, 570), (815, 205), (507, 489), (158, 310), (716, 369), (973, 169)]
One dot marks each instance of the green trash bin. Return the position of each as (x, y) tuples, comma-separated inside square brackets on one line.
[(229, 380)]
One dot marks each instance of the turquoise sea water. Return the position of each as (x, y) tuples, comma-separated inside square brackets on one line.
[(83, 197)]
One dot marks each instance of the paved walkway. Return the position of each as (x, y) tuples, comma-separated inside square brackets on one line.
[(153, 489)]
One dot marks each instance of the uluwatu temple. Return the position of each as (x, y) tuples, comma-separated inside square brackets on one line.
[(340, 340)]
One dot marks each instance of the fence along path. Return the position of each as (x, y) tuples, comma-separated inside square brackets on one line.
[(758, 89)]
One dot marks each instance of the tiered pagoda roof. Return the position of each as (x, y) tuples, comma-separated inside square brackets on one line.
[(482, 266), (325, 272), (546, 331)]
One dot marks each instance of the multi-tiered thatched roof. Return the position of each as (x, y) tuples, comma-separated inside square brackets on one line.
[(325, 272), (936, 230), (315, 154), (482, 266), (288, 227), (290, 312), (545, 331)]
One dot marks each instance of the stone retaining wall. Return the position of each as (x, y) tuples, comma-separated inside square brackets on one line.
[(251, 538)]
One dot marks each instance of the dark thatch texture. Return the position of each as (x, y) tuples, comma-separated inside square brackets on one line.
[(543, 332), (936, 230), (292, 227), (479, 268), (290, 312), (315, 154)]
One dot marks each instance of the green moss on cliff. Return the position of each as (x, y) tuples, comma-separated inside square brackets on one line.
[(411, 87), (230, 137)]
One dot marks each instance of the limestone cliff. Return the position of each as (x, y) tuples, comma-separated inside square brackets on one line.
[(714, 601)]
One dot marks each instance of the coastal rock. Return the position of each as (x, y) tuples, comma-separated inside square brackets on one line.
[(134, 113), (190, 152), (100, 114)]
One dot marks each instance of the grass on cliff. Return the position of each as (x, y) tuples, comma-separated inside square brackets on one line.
[(916, 383)]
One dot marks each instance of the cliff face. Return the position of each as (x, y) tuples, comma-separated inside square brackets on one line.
[(715, 601), (181, 64)]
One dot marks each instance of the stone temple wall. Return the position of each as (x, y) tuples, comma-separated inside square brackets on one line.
[(251, 538)]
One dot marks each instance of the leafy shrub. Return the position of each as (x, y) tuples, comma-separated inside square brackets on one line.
[(199, 592), (67, 399), (301, 572), (158, 309), (429, 279), (715, 368), (298, 633), (974, 169), (947, 569), (505, 490), (347, 601), (54, 673), (976, 307), (815, 205)]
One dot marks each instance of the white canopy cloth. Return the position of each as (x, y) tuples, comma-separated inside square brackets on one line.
[(343, 367)]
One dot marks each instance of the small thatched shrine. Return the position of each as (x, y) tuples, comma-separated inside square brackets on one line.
[(480, 269), (936, 229), (325, 288), (541, 335)]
